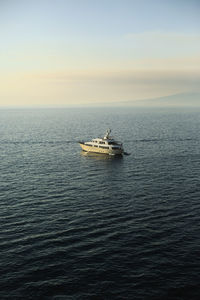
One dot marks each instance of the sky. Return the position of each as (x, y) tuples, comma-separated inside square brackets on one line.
[(91, 52)]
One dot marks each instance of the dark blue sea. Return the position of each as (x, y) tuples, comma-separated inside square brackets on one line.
[(79, 226)]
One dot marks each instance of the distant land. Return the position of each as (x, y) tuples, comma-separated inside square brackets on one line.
[(176, 100)]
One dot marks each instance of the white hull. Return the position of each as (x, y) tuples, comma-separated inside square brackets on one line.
[(93, 149)]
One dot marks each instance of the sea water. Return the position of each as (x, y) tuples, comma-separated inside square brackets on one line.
[(79, 226)]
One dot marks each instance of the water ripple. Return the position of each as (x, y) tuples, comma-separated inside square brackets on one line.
[(77, 226)]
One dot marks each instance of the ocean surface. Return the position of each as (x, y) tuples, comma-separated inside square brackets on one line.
[(79, 226)]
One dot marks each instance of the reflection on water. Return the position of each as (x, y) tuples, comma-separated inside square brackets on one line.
[(101, 156)]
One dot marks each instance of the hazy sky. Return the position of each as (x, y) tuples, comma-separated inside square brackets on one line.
[(60, 52)]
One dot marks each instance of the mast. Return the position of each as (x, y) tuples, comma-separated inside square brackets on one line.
[(108, 131)]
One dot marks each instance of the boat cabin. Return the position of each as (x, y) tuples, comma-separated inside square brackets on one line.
[(104, 143)]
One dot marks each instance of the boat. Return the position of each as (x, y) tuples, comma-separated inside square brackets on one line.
[(106, 145)]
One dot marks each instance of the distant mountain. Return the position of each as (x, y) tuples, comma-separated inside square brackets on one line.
[(184, 99)]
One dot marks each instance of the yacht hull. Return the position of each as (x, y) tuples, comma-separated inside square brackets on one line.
[(93, 149)]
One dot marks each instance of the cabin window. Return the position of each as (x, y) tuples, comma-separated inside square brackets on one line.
[(112, 143), (96, 146), (104, 147)]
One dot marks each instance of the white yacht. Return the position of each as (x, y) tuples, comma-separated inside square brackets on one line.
[(105, 145)]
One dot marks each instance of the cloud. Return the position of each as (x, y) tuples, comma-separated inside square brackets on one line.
[(164, 44), (171, 36), (93, 87), (145, 65)]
